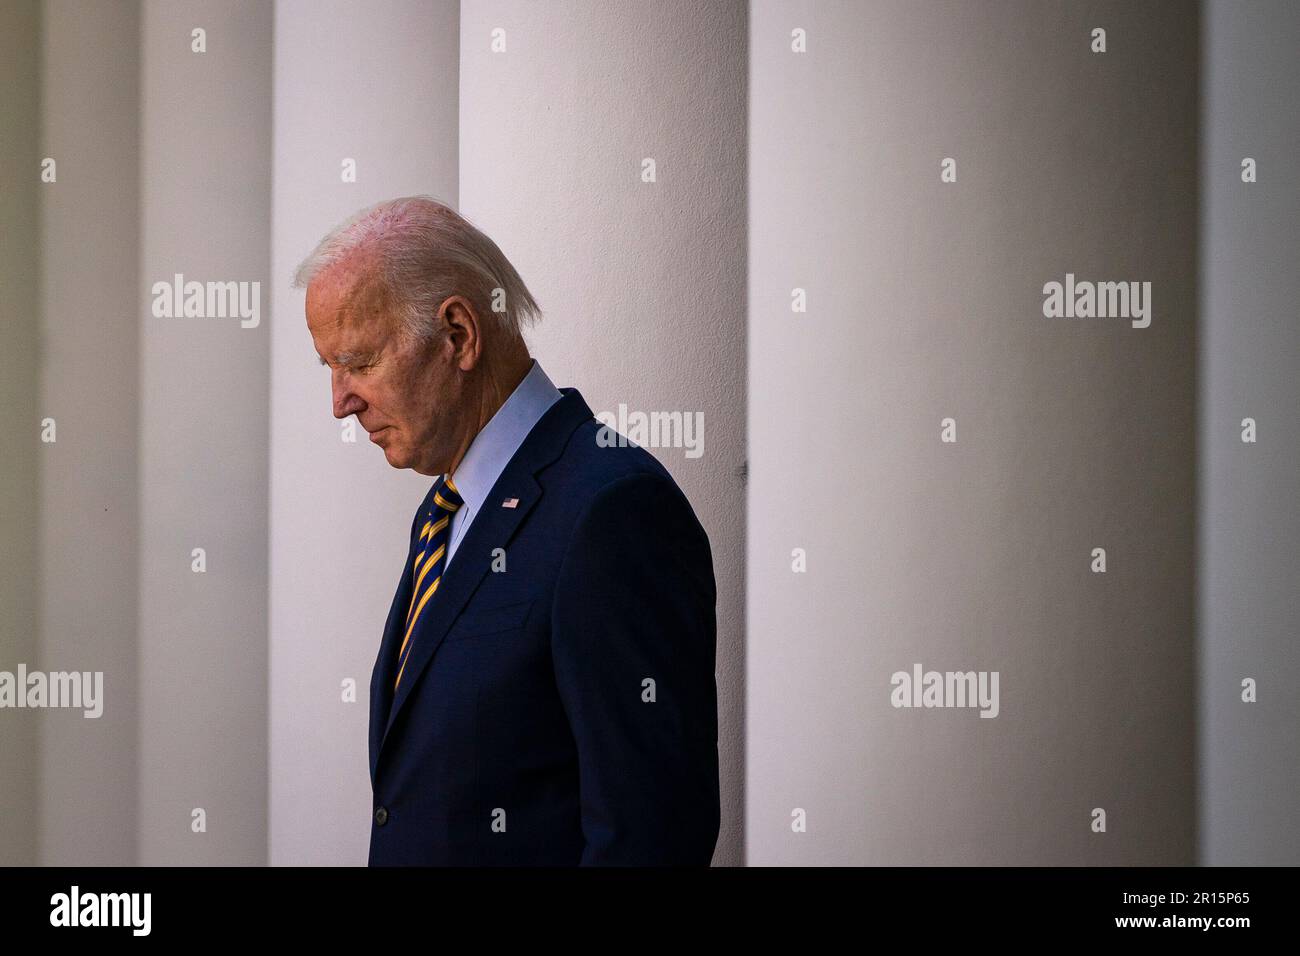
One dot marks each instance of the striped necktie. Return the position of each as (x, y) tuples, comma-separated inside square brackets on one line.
[(426, 572)]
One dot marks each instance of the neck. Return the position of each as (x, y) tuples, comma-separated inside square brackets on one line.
[(498, 384)]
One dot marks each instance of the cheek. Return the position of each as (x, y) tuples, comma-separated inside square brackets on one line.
[(378, 393), (392, 403), (411, 397)]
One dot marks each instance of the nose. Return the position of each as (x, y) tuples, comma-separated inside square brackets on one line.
[(346, 401)]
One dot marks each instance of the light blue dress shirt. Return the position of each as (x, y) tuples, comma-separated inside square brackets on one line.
[(494, 446)]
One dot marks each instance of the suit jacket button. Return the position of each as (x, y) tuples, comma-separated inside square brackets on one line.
[(381, 816)]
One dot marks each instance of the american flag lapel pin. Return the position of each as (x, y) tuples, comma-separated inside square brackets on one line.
[(510, 503)]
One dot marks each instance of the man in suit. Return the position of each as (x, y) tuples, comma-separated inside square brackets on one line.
[(544, 692)]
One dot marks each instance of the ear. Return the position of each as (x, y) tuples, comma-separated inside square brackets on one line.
[(464, 331)]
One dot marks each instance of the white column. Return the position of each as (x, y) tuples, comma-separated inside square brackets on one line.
[(642, 283), (20, 333), (89, 364), (1250, 353), (924, 303), (373, 85), (205, 214)]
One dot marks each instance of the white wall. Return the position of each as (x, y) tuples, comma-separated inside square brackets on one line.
[(924, 302), (642, 284), (375, 83)]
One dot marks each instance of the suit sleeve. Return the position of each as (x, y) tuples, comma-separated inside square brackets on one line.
[(633, 641)]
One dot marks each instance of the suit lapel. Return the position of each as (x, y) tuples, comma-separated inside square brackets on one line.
[(489, 529), (493, 527)]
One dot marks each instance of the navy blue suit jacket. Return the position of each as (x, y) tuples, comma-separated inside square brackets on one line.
[(560, 709)]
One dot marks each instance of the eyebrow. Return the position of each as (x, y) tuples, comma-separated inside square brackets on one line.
[(345, 358)]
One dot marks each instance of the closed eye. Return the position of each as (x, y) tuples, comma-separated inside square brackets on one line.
[(351, 362)]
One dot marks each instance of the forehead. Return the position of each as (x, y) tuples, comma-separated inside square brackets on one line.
[(346, 300)]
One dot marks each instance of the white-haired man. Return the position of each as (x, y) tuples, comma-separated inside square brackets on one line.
[(544, 692)]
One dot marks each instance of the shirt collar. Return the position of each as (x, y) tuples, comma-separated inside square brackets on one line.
[(498, 440)]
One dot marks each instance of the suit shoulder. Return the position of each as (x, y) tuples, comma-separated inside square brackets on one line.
[(593, 460), (590, 468)]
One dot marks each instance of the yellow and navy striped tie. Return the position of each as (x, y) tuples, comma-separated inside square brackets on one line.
[(426, 572)]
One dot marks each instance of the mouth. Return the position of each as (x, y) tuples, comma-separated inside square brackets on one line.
[(378, 431)]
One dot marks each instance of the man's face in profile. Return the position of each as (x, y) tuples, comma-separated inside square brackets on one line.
[(403, 392)]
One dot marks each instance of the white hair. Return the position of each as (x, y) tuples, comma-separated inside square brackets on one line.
[(426, 252)]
